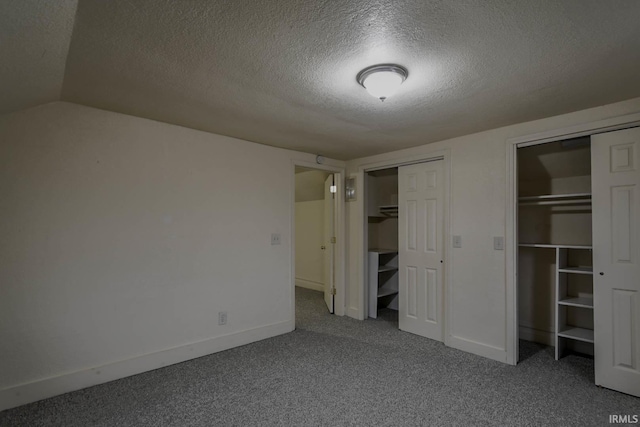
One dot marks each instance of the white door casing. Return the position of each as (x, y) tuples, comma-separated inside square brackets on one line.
[(615, 172), (329, 244), (420, 249)]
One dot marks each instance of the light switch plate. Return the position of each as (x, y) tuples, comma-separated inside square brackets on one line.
[(498, 243), (457, 241), (222, 318), (275, 238)]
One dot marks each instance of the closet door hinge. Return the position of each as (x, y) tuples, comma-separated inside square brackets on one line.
[(333, 240), (333, 291)]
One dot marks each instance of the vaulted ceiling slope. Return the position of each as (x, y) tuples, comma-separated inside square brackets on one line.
[(34, 42), (282, 72)]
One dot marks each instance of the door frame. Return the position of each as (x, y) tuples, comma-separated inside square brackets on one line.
[(362, 250), (339, 301), (511, 230)]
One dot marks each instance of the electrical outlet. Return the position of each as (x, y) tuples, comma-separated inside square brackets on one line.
[(222, 318), (275, 238), (457, 241), (498, 243)]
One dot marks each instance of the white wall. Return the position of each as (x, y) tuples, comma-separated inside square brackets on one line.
[(122, 239), (477, 315), (309, 239)]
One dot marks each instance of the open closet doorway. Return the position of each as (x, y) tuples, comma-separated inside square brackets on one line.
[(576, 246), (315, 239), (555, 268)]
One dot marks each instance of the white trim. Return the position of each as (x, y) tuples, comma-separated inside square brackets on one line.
[(511, 257), (446, 253), (404, 161), (511, 231), (53, 386), (339, 303), (478, 348), (309, 284), (584, 129), (354, 313)]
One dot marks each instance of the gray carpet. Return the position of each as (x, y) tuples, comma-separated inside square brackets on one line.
[(339, 371)]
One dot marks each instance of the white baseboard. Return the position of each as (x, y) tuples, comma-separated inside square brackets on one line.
[(478, 348), (53, 386), (536, 335), (309, 284), (354, 313)]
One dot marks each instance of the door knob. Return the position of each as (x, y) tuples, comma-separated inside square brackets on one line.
[(323, 247), (602, 273)]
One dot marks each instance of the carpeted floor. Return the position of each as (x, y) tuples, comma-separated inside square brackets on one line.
[(339, 371)]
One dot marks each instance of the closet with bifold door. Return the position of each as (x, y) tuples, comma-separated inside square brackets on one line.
[(578, 251), (405, 223)]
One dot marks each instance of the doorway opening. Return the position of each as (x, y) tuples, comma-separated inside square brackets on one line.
[(315, 241)]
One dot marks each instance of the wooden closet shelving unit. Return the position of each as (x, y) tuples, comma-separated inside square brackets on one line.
[(567, 298)]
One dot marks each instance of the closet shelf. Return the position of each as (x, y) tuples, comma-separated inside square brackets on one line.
[(382, 292), (578, 334), (388, 210), (385, 268), (384, 251), (584, 302), (548, 245), (556, 199), (576, 270)]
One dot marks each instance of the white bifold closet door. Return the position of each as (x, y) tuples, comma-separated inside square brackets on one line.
[(615, 171), (420, 248)]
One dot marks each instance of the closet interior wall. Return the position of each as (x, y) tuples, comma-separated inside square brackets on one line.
[(554, 237)]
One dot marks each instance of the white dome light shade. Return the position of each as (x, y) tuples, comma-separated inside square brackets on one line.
[(382, 81)]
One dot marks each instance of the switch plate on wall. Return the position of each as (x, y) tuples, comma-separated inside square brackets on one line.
[(457, 241), (222, 318), (498, 243), (275, 238)]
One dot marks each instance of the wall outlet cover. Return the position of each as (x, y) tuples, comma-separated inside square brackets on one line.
[(457, 241), (498, 243)]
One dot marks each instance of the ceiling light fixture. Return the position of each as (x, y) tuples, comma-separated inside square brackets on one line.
[(382, 80)]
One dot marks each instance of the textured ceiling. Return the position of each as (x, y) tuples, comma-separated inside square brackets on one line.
[(282, 72), (34, 42)]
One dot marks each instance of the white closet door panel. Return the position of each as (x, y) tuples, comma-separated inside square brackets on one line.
[(616, 251), (412, 292), (623, 214), (623, 343), (431, 286), (431, 226), (411, 227), (420, 219)]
